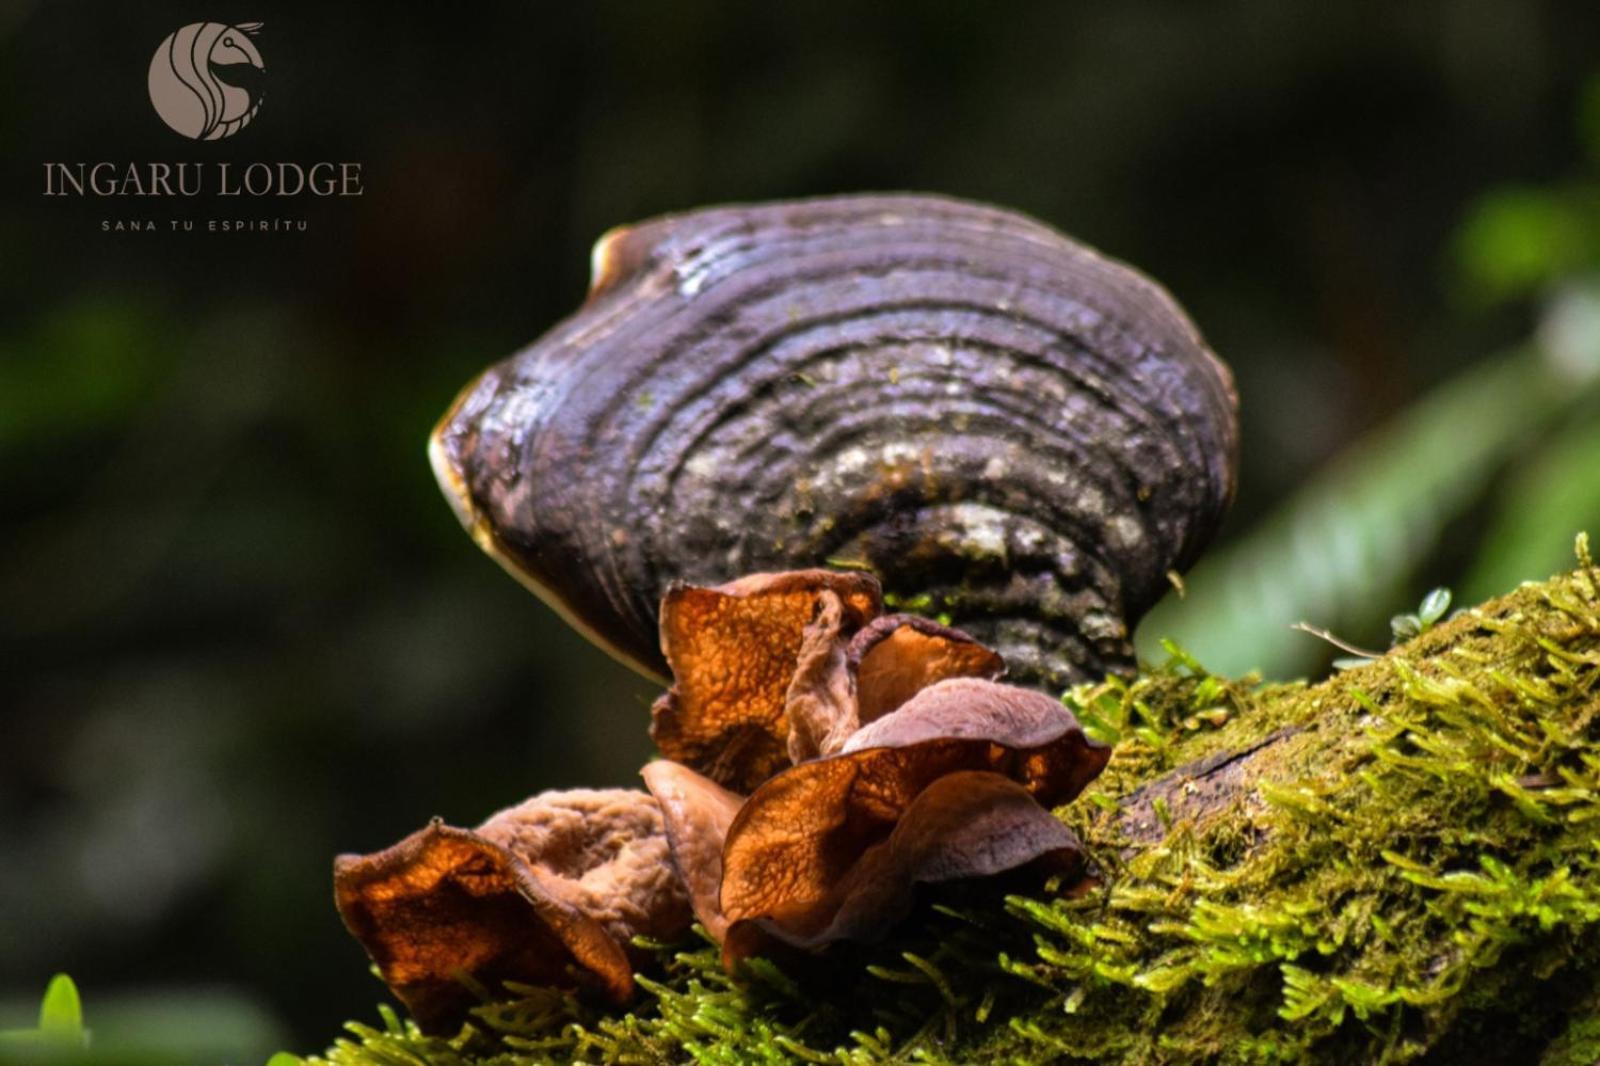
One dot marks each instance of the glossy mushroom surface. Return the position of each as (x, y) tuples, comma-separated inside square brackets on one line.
[(1001, 423)]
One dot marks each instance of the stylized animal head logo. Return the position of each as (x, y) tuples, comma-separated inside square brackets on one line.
[(185, 86)]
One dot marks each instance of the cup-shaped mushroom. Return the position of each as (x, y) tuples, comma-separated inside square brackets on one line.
[(551, 891), (697, 812), (971, 823), (843, 681), (732, 650), (955, 783)]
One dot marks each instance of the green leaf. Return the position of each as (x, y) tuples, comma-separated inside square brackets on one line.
[(1434, 605), (61, 1011), (1404, 627), (284, 1058), (1589, 117), (1542, 504)]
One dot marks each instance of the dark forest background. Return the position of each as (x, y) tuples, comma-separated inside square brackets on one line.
[(240, 630)]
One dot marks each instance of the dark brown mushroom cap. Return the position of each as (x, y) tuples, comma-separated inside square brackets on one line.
[(697, 812), (557, 884), (733, 650), (802, 833), (981, 409)]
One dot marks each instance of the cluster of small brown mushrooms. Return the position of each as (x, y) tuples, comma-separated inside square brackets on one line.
[(821, 759)]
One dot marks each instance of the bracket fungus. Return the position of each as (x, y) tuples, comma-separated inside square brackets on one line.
[(547, 891), (985, 412)]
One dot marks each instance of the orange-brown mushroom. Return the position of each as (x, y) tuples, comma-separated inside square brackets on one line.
[(899, 655), (820, 704), (732, 650), (971, 823), (792, 858), (544, 892), (697, 812), (844, 681)]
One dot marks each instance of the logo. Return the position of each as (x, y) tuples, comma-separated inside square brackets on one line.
[(205, 82), (189, 79)]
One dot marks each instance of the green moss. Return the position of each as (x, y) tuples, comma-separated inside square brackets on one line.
[(1400, 863)]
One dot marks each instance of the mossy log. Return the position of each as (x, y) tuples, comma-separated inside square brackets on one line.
[(1401, 863)]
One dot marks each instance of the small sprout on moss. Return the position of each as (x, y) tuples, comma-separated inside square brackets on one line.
[(1180, 658), (1407, 626), (1213, 718)]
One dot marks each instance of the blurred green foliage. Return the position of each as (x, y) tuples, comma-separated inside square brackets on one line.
[(60, 1022), (1503, 459), (165, 1029), (1519, 241)]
